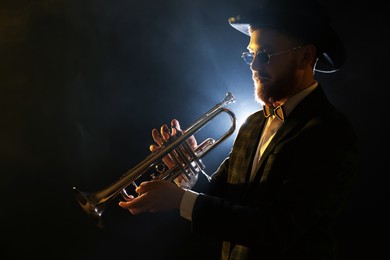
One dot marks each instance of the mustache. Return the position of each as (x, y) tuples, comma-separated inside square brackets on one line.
[(260, 75)]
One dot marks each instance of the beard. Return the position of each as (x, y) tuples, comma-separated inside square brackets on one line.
[(268, 89)]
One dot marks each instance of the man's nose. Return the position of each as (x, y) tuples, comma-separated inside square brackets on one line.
[(256, 65)]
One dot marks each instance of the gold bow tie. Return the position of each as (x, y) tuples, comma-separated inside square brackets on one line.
[(277, 111)]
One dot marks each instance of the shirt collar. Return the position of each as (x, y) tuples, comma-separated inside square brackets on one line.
[(293, 101)]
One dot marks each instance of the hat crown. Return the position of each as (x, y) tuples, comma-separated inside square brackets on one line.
[(306, 19)]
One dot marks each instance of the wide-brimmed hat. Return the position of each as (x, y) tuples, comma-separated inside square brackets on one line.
[(306, 19)]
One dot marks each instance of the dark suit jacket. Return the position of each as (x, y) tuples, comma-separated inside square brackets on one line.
[(301, 186)]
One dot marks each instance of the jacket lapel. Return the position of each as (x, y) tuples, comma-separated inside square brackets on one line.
[(254, 138), (297, 118)]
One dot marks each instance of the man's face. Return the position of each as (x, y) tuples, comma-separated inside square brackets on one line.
[(273, 81)]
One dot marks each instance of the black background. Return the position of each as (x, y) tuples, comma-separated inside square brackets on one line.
[(82, 83)]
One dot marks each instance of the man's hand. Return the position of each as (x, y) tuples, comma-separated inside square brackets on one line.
[(154, 196), (161, 138)]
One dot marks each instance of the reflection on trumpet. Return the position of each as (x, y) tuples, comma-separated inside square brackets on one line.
[(187, 162)]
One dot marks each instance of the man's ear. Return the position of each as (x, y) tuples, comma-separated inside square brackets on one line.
[(309, 55)]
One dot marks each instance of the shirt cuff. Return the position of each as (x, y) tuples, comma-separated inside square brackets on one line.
[(187, 204)]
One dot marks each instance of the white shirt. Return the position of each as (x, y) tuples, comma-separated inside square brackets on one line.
[(270, 129)]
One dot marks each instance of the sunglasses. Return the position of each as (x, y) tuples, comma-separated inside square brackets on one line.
[(263, 56)]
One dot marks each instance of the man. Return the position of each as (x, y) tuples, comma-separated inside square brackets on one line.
[(288, 175)]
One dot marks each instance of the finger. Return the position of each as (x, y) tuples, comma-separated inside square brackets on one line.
[(135, 206), (125, 204), (175, 124), (157, 137), (192, 141), (176, 127), (145, 186), (142, 188), (166, 160), (133, 210), (154, 148), (129, 197), (164, 132)]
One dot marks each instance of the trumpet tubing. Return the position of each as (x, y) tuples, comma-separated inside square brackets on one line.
[(187, 161)]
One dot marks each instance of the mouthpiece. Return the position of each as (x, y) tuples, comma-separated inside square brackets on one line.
[(229, 98)]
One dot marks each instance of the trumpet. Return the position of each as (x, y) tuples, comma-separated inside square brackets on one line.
[(187, 162)]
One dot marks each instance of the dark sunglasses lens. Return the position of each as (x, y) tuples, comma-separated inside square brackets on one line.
[(262, 57)]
